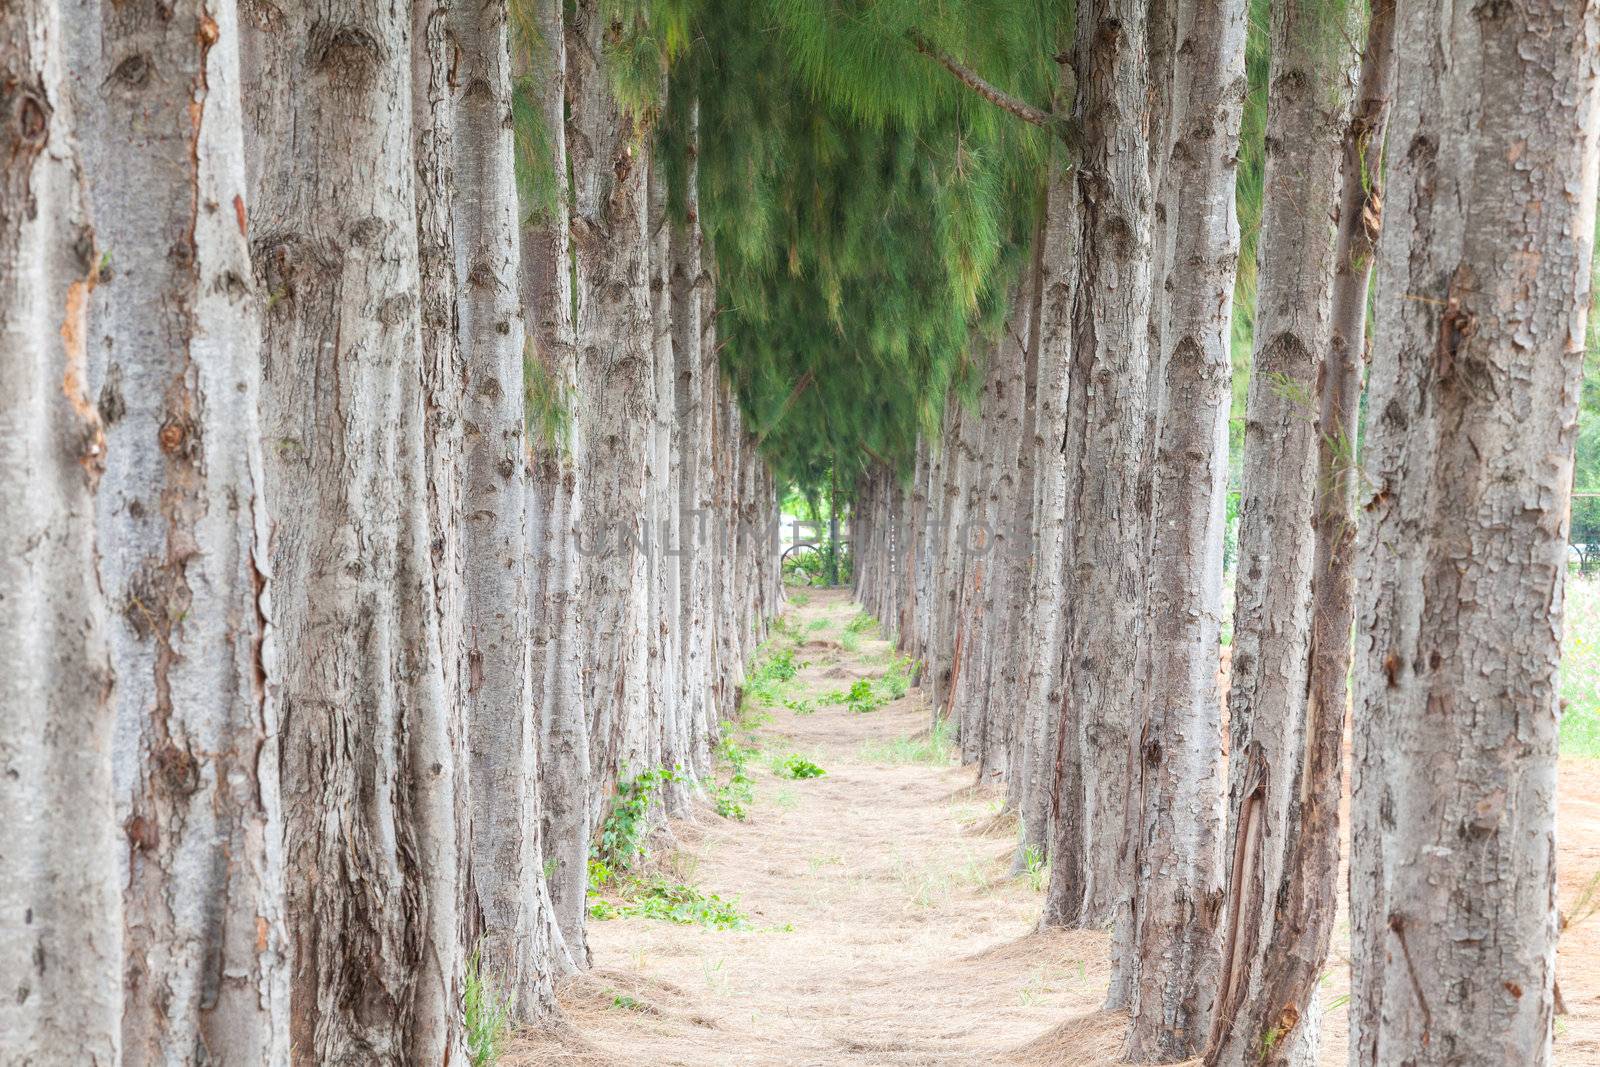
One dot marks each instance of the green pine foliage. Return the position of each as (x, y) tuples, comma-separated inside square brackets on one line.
[(867, 213)]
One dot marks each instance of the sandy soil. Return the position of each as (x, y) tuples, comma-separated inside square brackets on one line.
[(883, 927)]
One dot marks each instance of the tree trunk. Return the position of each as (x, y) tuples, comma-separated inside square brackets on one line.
[(1106, 429), (370, 754), (1311, 80), (1174, 945), (692, 400), (1042, 708), (1477, 365), (1298, 952), (555, 508), (511, 912), (183, 521), (612, 256), (60, 911)]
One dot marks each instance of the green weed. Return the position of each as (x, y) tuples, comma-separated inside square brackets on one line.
[(1037, 868), (860, 698), (765, 682), (487, 1015), (798, 767), (673, 902), (622, 836), (730, 798), (896, 683)]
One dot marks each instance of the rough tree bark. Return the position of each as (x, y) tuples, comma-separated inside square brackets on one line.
[(60, 910), (1047, 607), (511, 912), (1105, 447), (1477, 365), (1179, 897), (555, 506), (183, 524), (611, 251), (1296, 956), (370, 762), (694, 437), (1311, 80)]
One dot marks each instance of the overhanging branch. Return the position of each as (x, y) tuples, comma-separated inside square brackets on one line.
[(978, 84)]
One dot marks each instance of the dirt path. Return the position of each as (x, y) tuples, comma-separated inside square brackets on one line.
[(882, 926)]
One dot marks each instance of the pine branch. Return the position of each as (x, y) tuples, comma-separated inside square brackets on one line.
[(996, 96)]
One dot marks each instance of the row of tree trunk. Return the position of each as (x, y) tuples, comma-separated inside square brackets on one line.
[(360, 525), (1056, 558)]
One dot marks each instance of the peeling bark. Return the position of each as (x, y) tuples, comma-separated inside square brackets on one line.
[(1477, 366), (60, 910), (182, 518)]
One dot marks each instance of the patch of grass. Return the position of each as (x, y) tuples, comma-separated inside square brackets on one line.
[(801, 707), (816, 625), (850, 642), (487, 1015), (799, 598), (764, 684), (798, 767), (861, 624), (668, 901), (1037, 868), (934, 747), (896, 682)]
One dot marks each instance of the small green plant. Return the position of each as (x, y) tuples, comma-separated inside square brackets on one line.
[(850, 642), (1036, 867), (764, 684), (730, 798), (798, 767), (601, 910), (675, 902), (816, 625), (801, 707), (622, 835), (626, 1003), (859, 698), (487, 1015), (896, 682), (798, 598)]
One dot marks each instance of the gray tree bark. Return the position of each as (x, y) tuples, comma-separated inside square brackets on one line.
[(60, 909), (511, 912), (371, 756), (1047, 609), (555, 514), (1105, 448), (1477, 365), (174, 359), (1311, 79), (1298, 952), (691, 398), (611, 250), (1179, 898)]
